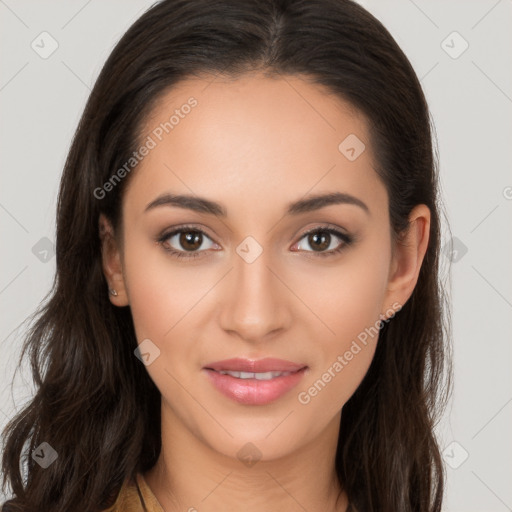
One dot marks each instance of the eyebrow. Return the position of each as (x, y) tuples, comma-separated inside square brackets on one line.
[(203, 205)]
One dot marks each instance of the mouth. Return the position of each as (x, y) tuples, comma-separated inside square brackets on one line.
[(255, 375), (252, 382)]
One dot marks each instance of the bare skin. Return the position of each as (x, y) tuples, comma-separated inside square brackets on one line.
[(256, 144)]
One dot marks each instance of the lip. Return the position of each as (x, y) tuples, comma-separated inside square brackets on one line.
[(254, 391)]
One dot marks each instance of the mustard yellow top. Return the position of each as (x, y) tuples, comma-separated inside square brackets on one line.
[(135, 496)]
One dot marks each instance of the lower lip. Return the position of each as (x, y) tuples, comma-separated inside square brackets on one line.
[(253, 391)]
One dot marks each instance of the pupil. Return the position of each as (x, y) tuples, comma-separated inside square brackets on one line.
[(313, 239), (190, 238)]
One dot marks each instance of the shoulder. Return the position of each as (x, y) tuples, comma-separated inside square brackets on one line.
[(135, 496)]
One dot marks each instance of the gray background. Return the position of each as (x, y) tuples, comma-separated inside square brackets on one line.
[(470, 96)]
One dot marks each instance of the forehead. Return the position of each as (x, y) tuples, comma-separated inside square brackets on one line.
[(252, 137)]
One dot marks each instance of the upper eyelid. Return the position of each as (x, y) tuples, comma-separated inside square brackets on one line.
[(174, 231), (327, 227)]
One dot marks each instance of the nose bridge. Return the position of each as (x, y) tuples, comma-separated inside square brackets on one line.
[(256, 305)]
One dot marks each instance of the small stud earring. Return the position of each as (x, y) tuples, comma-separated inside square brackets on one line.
[(112, 292)]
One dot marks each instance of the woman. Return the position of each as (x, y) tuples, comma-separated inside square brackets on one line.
[(247, 311)]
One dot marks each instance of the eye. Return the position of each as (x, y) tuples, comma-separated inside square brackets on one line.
[(323, 241), (185, 242)]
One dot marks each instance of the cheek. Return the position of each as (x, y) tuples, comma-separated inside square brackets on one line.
[(162, 301), (349, 303), (161, 294), (348, 296), (166, 303), (356, 298)]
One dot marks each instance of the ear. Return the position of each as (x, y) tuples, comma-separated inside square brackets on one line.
[(112, 263), (408, 254)]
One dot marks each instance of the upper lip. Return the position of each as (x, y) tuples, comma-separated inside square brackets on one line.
[(267, 364)]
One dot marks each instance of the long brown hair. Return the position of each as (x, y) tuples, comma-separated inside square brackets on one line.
[(95, 403)]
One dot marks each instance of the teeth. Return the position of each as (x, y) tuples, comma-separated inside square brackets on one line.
[(257, 376)]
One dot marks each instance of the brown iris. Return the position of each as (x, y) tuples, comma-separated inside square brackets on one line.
[(320, 237), (191, 240)]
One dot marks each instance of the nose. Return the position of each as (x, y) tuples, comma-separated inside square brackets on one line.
[(256, 302)]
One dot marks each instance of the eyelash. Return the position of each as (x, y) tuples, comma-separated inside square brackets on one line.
[(346, 239)]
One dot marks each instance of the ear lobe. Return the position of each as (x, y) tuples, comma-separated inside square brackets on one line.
[(408, 254), (111, 263)]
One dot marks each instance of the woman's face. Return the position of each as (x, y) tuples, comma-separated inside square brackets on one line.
[(250, 154)]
